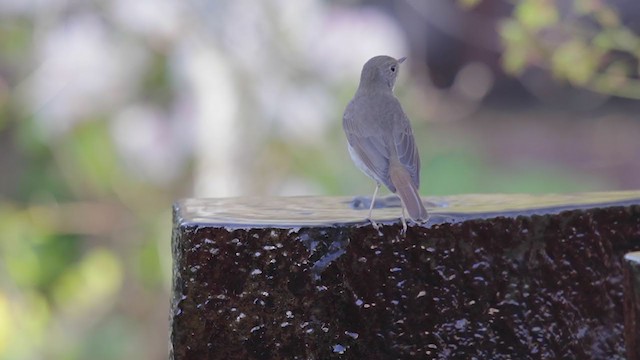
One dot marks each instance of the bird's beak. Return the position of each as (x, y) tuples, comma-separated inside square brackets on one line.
[(402, 59)]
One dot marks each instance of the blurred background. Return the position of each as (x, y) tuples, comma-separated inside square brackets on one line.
[(112, 109)]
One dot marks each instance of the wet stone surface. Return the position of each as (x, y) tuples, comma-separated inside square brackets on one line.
[(547, 284), (631, 271)]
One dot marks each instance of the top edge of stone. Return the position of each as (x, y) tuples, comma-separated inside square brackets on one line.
[(315, 211)]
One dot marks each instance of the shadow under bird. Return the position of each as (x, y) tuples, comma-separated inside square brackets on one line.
[(380, 138)]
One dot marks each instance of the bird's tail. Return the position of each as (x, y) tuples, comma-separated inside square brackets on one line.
[(408, 193)]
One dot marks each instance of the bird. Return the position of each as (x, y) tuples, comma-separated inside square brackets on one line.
[(380, 138)]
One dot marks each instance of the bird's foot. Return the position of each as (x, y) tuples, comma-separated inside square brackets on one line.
[(375, 226), (403, 232)]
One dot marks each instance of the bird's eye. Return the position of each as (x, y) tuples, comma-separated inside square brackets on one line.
[(393, 69)]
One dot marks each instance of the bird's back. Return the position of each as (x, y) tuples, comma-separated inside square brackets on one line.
[(367, 119)]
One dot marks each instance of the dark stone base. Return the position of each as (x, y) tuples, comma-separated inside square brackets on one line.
[(632, 305), (521, 282)]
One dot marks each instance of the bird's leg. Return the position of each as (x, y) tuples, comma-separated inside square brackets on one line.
[(404, 222), (373, 201)]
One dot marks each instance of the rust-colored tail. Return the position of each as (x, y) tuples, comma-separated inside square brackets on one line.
[(408, 193)]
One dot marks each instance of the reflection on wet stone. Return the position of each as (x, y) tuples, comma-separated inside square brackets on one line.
[(491, 277)]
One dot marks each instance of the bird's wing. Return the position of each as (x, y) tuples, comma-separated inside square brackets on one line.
[(368, 146), (406, 146)]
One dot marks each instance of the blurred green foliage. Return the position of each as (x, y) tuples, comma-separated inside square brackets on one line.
[(588, 46), (84, 246), (465, 173)]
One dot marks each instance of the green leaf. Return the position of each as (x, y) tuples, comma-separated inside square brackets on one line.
[(515, 41), (575, 62), (624, 39), (92, 156), (92, 281), (537, 14), (514, 61)]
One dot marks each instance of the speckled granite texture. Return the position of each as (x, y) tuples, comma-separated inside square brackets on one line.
[(531, 283)]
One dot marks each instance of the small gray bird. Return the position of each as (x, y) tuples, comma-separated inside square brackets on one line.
[(380, 138)]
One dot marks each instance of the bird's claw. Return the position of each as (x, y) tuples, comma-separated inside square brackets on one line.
[(403, 232), (375, 226)]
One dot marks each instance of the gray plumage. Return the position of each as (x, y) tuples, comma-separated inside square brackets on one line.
[(381, 141)]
